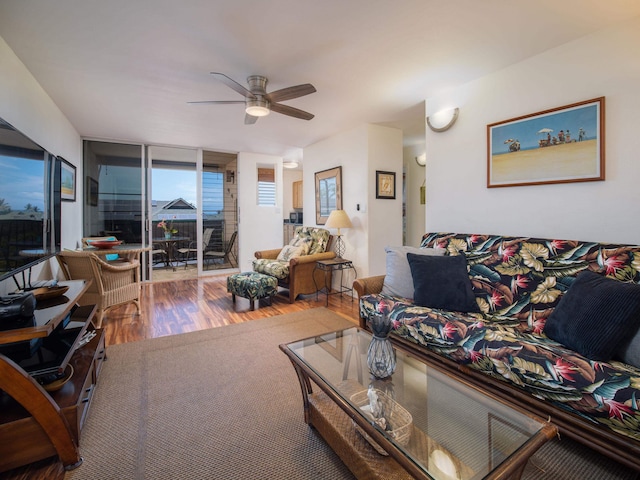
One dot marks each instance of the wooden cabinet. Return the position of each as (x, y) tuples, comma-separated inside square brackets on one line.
[(297, 194), (36, 424), (289, 231)]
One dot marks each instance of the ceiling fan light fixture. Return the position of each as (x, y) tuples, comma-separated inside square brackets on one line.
[(257, 108)]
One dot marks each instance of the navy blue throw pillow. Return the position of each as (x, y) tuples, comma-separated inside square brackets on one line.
[(442, 282), (595, 315)]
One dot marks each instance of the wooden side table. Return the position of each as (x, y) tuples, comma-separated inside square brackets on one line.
[(334, 265)]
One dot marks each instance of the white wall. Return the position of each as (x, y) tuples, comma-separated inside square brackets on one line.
[(385, 215), (259, 228), (360, 152), (415, 213), (26, 106), (603, 64)]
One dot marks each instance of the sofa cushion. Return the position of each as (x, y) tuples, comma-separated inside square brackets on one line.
[(269, 266), (319, 238), (442, 282), (398, 281), (595, 315), (303, 242), (288, 252)]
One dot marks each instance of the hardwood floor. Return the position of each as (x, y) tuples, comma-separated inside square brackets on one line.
[(174, 307)]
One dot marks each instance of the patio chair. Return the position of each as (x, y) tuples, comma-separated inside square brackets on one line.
[(191, 251), (224, 255)]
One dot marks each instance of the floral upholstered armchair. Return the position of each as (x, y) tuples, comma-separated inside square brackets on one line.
[(294, 264)]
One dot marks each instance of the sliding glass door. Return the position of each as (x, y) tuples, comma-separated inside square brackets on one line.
[(172, 211), (219, 212), (180, 202)]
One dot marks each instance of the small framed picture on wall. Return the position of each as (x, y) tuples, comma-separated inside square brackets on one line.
[(385, 184), (67, 181)]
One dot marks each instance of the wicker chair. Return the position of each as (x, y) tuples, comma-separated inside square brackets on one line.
[(112, 284)]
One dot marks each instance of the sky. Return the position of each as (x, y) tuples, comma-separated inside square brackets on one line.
[(172, 184), (526, 131), (22, 182)]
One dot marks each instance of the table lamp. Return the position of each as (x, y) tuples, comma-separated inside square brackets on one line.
[(338, 219)]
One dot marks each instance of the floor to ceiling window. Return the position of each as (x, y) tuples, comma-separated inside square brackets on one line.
[(138, 193), (113, 205)]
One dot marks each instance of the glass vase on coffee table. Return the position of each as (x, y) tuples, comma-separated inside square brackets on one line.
[(381, 356)]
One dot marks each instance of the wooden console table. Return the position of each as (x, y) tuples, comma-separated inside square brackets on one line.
[(36, 424)]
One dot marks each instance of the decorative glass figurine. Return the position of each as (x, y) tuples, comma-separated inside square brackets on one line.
[(381, 356)]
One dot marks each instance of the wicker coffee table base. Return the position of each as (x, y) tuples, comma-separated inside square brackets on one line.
[(337, 429)]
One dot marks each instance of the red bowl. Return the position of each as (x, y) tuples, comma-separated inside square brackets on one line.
[(105, 244)]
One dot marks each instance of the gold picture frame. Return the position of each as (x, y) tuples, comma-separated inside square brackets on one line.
[(559, 145), (328, 193)]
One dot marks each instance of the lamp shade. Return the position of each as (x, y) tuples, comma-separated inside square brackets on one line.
[(338, 219)]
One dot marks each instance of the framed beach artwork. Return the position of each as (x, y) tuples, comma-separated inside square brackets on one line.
[(67, 181), (560, 145)]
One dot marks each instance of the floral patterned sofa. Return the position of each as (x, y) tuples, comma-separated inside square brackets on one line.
[(294, 264), (503, 346)]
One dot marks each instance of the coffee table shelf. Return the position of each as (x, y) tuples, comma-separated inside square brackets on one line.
[(457, 429)]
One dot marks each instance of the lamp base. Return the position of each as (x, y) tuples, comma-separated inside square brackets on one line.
[(339, 248)]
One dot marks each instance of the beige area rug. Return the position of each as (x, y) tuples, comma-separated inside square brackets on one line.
[(222, 403), (225, 403)]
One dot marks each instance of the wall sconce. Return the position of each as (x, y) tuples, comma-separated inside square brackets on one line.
[(443, 120), (422, 159)]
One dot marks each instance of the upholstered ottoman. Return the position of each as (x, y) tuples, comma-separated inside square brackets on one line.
[(252, 285)]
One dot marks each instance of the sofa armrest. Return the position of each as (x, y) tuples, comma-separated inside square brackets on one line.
[(368, 285), (270, 254)]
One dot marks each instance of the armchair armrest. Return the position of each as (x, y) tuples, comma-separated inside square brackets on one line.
[(311, 258), (270, 254), (119, 266), (368, 285)]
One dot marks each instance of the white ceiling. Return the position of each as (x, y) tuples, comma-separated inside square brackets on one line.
[(125, 69)]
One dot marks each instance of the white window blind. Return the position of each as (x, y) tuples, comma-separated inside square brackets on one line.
[(266, 187)]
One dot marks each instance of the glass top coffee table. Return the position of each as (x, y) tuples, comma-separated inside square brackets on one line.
[(420, 422)]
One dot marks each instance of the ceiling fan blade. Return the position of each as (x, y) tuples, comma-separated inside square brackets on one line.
[(249, 119), (291, 92), (292, 112), (216, 102), (233, 85)]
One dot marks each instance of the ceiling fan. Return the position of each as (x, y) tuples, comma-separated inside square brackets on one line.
[(259, 103)]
